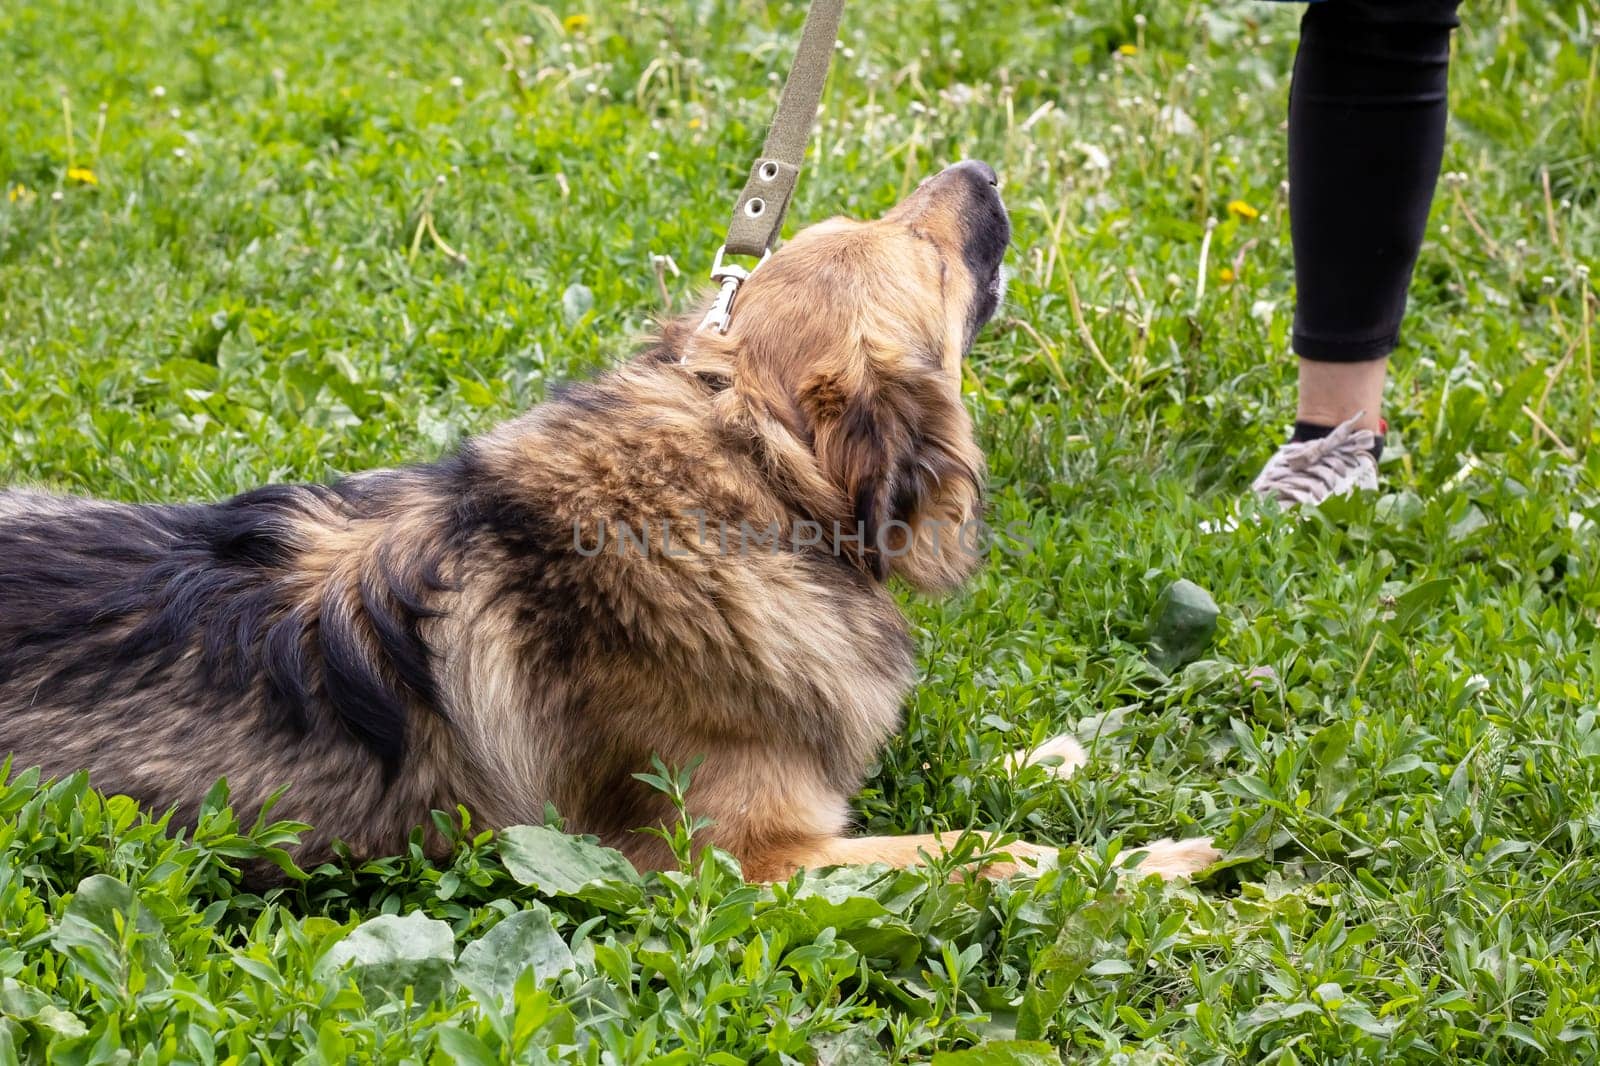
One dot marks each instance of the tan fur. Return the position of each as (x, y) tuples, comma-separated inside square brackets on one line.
[(833, 403)]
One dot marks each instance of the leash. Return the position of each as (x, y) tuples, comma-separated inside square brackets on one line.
[(758, 213)]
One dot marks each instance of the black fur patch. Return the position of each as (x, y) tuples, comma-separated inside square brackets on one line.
[(584, 396), (105, 600), (559, 612)]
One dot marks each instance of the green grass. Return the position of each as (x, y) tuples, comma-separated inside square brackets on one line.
[(250, 291)]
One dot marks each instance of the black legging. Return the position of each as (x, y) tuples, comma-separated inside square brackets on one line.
[(1367, 113)]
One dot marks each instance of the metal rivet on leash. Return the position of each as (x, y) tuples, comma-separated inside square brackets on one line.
[(758, 219)]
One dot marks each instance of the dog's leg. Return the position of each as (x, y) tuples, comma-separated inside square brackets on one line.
[(1176, 858), (1165, 858), (895, 851), (797, 827)]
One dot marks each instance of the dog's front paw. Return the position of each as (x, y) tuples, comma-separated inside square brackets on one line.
[(1063, 747), (1176, 858)]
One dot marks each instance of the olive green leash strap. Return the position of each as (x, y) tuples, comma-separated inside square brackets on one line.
[(758, 214)]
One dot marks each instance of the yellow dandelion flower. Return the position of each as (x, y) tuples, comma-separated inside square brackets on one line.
[(1243, 210), (694, 123), (82, 174), (575, 23), (1128, 49), (1226, 275), (16, 192)]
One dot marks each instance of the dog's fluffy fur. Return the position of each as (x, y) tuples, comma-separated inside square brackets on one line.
[(461, 633)]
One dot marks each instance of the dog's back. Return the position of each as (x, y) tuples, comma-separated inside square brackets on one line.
[(161, 647), (412, 639)]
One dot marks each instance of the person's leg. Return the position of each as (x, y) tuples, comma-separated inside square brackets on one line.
[(1367, 111), (1331, 393)]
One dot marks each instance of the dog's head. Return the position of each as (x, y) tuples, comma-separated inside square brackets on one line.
[(850, 339)]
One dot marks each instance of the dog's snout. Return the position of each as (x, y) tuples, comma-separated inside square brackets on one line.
[(977, 168)]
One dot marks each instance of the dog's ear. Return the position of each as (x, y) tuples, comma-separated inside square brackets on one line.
[(861, 450), (902, 454)]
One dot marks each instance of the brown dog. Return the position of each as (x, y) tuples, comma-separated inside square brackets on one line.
[(686, 557)]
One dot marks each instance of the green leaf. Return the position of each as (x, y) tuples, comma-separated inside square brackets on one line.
[(1275, 1011), (1077, 945), (392, 952), (119, 946), (861, 921), (30, 1005), (464, 1048), (1504, 848), (1110, 967), (1001, 1053), (855, 1046), (1336, 776), (490, 965), (561, 865), (1402, 765), (1411, 605)]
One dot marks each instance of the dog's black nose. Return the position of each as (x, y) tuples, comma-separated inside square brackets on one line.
[(981, 169)]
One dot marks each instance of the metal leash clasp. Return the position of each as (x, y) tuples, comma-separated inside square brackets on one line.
[(730, 276)]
